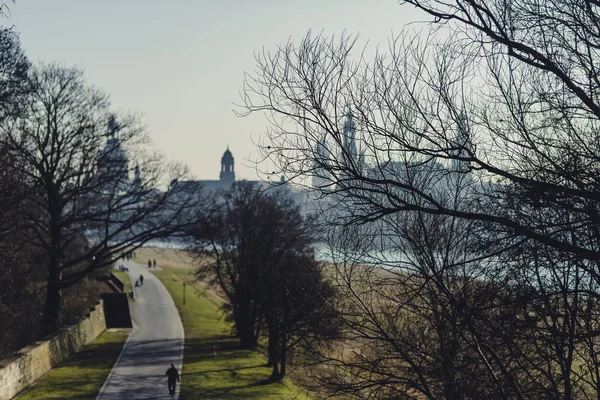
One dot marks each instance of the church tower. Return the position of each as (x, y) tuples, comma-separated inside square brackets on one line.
[(461, 144), (349, 133), (227, 176), (321, 177), (112, 163), (137, 178), (349, 153)]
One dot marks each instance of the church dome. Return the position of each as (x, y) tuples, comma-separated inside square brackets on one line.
[(227, 157), (227, 176)]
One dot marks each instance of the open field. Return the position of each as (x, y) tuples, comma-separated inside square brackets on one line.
[(213, 366), (164, 257), (82, 376)]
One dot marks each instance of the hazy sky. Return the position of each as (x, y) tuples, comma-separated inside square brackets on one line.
[(180, 63)]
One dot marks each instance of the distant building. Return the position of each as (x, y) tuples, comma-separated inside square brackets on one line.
[(227, 178), (137, 178), (111, 162), (461, 145), (226, 175), (349, 134), (321, 178)]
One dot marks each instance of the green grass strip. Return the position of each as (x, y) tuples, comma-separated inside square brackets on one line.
[(213, 366), (124, 277), (82, 375)]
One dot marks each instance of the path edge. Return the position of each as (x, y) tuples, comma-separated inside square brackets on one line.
[(135, 328), (177, 392)]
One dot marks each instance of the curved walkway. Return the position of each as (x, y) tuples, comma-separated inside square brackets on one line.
[(156, 342)]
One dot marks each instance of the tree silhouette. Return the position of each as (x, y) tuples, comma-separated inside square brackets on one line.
[(493, 126), (81, 194), (258, 248)]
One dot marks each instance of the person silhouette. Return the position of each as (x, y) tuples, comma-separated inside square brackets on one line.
[(173, 378), (149, 263), (142, 280)]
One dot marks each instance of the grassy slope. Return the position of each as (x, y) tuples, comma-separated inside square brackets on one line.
[(82, 376), (164, 257), (213, 367), (124, 277)]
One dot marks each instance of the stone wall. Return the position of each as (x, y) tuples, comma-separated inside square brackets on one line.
[(32, 362)]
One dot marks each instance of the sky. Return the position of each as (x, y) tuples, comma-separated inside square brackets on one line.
[(180, 63)]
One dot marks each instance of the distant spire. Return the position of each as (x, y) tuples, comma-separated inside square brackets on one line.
[(137, 177), (462, 145), (349, 132), (113, 127)]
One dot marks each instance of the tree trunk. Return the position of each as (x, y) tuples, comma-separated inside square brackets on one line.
[(283, 338), (245, 331), (247, 341), (273, 345), (55, 253), (53, 300), (275, 374), (283, 361)]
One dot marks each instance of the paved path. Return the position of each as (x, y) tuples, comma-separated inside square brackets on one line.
[(156, 342)]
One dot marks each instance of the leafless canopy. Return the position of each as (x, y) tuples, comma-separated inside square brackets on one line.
[(85, 191), (475, 160)]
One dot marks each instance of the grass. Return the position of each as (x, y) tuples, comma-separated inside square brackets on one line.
[(213, 366), (124, 277), (164, 257), (81, 376)]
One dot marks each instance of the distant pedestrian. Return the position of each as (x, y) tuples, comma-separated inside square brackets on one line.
[(155, 262), (141, 280), (149, 263), (173, 378)]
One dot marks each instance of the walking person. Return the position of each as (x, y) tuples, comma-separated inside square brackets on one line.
[(149, 263), (155, 262), (173, 378), (141, 280)]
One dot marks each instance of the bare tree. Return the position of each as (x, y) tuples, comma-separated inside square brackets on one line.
[(259, 251), (499, 97), (13, 74), (298, 305), (81, 192), (529, 123), (19, 301), (236, 239), (414, 310)]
